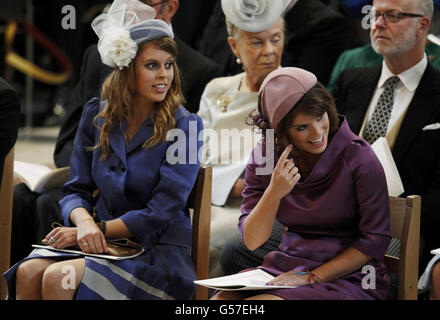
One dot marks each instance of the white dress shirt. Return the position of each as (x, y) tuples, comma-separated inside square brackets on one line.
[(403, 92)]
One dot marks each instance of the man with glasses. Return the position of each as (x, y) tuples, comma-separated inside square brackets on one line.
[(365, 56), (393, 16), (400, 100), (34, 213)]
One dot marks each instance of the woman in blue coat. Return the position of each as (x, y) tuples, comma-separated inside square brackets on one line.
[(123, 149)]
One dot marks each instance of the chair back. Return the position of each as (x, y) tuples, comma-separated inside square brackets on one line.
[(405, 226), (200, 201), (6, 218)]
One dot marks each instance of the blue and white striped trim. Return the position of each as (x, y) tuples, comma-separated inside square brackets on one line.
[(102, 286)]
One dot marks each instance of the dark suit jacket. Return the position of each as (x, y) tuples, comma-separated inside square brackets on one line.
[(315, 37), (416, 151), (196, 71), (191, 19), (9, 120)]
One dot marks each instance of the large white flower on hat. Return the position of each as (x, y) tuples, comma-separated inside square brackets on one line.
[(126, 25), (253, 15), (116, 47)]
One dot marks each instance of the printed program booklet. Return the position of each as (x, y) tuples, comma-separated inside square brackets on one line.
[(40, 178), (249, 280), (96, 255), (383, 153)]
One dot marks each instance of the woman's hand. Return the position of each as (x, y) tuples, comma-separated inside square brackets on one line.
[(62, 237), (289, 278), (284, 176), (90, 238)]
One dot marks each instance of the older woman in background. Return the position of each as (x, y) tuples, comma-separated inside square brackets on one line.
[(256, 37)]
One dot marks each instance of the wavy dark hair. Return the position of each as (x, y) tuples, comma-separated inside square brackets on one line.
[(316, 102)]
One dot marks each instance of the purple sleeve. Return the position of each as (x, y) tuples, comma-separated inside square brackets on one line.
[(254, 186), (373, 200)]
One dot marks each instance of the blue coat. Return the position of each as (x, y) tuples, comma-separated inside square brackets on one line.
[(149, 193), (138, 185)]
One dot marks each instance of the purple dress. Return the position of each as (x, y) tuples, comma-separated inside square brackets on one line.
[(343, 203)]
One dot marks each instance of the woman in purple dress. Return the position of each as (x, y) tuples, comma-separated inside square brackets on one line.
[(327, 188)]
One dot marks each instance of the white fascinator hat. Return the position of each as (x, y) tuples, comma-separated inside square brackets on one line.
[(127, 25), (253, 15)]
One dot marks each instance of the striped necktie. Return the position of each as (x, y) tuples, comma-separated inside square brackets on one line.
[(378, 124)]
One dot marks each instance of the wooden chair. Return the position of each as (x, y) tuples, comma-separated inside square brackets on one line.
[(6, 218), (200, 201), (405, 225)]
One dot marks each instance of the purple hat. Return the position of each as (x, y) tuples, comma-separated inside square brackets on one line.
[(281, 90)]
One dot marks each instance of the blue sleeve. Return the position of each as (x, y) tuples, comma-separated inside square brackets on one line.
[(77, 192), (166, 209)]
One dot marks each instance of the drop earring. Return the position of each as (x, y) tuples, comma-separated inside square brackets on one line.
[(238, 60)]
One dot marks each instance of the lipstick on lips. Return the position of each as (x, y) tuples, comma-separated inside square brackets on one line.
[(318, 143), (160, 88)]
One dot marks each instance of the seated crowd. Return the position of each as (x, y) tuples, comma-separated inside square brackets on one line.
[(286, 83)]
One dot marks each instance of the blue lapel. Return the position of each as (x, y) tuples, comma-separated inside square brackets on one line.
[(143, 134), (116, 136), (117, 141)]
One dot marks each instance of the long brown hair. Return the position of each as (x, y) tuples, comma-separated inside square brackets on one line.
[(119, 89)]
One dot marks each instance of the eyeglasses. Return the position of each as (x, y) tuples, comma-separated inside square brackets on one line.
[(393, 16), (155, 4)]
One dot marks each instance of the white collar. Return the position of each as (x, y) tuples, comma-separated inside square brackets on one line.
[(410, 77)]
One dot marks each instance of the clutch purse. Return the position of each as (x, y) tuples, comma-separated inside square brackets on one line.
[(123, 247)]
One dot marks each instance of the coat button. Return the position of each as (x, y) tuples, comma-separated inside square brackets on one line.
[(112, 168), (123, 169)]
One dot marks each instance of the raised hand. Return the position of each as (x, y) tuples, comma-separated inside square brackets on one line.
[(285, 175)]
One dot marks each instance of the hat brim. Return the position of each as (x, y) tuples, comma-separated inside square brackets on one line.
[(270, 11)]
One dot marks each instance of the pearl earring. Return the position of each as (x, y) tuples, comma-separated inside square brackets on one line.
[(238, 60)]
